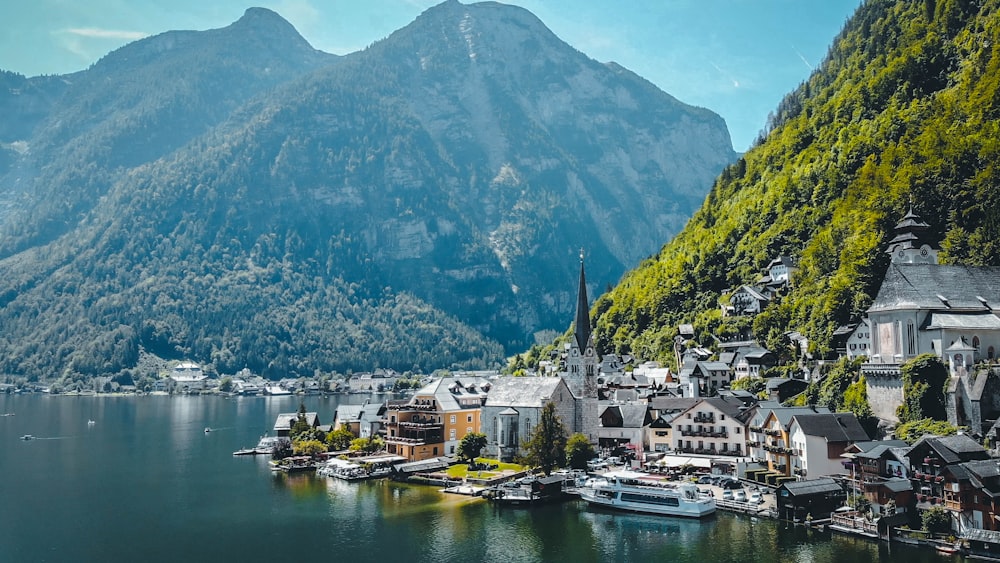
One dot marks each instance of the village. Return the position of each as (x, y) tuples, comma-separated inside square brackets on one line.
[(809, 466)]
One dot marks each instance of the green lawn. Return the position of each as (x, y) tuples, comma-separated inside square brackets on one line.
[(461, 470)]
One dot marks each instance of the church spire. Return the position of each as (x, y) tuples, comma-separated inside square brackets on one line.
[(582, 330), (909, 245)]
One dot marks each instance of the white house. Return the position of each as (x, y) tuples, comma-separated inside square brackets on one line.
[(818, 441), (188, 376)]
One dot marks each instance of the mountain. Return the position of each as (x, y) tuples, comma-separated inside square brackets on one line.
[(237, 198), (903, 112)]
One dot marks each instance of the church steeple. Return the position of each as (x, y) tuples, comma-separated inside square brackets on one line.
[(909, 245), (582, 329)]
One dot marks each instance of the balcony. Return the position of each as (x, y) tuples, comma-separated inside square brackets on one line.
[(772, 432), (704, 418), (755, 429), (409, 407)]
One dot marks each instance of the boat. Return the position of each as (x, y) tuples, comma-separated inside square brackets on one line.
[(27, 437), (246, 451), (632, 491), (294, 464), (207, 430), (266, 445), (91, 423)]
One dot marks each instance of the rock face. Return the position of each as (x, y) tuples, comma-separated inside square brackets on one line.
[(464, 160)]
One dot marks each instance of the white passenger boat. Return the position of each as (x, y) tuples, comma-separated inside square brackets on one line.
[(637, 492)]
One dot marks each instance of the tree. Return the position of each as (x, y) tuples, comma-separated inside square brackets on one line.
[(547, 447), (282, 449), (924, 379), (226, 384), (367, 445), (913, 430), (309, 447), (752, 384), (579, 451), (339, 439), (936, 520), (470, 446)]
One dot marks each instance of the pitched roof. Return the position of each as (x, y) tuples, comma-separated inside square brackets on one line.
[(451, 392), (969, 321), (835, 427), (951, 449), (285, 420), (922, 286), (730, 406), (898, 485), (811, 486), (522, 391)]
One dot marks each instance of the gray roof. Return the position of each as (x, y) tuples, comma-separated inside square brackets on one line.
[(522, 391), (921, 286), (672, 404), (285, 420), (811, 487), (730, 406), (449, 391), (952, 449), (898, 485), (835, 427), (633, 415), (785, 414), (969, 321), (349, 412)]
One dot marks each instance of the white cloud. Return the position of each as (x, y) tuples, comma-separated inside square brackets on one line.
[(98, 33)]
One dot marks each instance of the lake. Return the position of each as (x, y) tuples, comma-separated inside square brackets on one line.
[(146, 483)]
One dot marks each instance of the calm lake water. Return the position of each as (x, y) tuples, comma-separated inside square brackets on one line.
[(146, 483)]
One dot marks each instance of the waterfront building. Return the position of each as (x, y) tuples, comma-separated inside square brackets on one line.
[(623, 424), (880, 471), (813, 499), (767, 435), (364, 421), (953, 472), (817, 441), (435, 418), (187, 377), (663, 411), (285, 421), (714, 426)]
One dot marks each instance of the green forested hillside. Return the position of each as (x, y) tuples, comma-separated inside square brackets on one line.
[(903, 110)]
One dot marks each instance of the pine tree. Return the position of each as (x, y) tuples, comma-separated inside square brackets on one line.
[(547, 447)]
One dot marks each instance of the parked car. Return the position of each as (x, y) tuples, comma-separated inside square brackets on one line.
[(732, 484), (740, 495), (705, 480), (727, 494), (756, 498)]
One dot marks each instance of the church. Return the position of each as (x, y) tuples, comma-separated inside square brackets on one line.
[(925, 307), (513, 407)]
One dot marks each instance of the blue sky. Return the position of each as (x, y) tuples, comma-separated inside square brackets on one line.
[(735, 57)]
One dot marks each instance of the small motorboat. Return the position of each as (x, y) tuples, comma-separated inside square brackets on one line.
[(208, 429), (27, 437), (91, 423)]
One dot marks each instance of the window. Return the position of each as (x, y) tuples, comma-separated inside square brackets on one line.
[(722, 417), (468, 418), (451, 434), (737, 430), (911, 343), (453, 417), (468, 430)]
